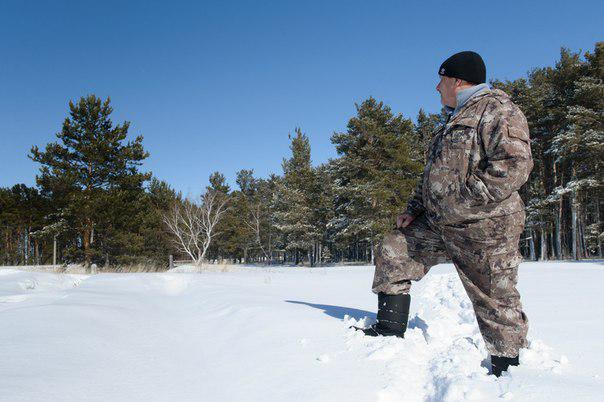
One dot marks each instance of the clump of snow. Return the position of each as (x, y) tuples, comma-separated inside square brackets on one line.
[(258, 334)]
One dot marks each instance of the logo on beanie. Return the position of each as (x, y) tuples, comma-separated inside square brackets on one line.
[(442, 71)]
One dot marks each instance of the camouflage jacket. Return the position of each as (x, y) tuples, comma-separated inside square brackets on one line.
[(476, 163)]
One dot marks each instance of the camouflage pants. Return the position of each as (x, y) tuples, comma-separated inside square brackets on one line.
[(486, 257)]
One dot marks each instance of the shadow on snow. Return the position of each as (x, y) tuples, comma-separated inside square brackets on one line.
[(339, 312)]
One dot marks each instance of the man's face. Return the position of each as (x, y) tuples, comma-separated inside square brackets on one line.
[(447, 87)]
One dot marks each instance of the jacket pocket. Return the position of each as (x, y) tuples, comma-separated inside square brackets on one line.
[(475, 192), (520, 133)]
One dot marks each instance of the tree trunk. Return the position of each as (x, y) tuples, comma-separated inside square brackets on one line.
[(558, 232), (54, 250), (583, 249), (543, 244), (600, 251), (86, 240), (575, 228), (270, 250), (532, 245), (550, 237), (37, 251)]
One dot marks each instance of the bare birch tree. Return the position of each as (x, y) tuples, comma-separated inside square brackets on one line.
[(193, 223)]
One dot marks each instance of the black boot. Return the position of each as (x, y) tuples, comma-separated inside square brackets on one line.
[(392, 316), (499, 364)]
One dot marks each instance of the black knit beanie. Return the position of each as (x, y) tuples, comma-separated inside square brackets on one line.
[(466, 65)]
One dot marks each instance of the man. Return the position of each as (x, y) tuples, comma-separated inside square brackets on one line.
[(466, 208)]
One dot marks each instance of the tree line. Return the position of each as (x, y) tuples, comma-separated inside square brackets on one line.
[(93, 203)]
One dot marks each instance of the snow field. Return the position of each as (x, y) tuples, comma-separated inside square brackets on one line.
[(281, 334)]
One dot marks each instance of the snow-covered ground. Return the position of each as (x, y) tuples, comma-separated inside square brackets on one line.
[(281, 334)]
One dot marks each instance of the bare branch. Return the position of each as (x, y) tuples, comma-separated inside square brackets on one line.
[(193, 224)]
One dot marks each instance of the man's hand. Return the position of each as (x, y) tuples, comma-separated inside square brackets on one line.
[(404, 220)]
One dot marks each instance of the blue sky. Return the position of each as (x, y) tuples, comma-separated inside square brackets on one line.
[(219, 85)]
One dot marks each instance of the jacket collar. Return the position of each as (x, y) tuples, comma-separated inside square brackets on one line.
[(466, 115), (465, 94)]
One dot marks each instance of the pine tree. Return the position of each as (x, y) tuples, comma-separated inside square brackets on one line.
[(90, 169), (293, 204), (256, 212), (380, 161), (232, 235), (424, 129), (156, 202)]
